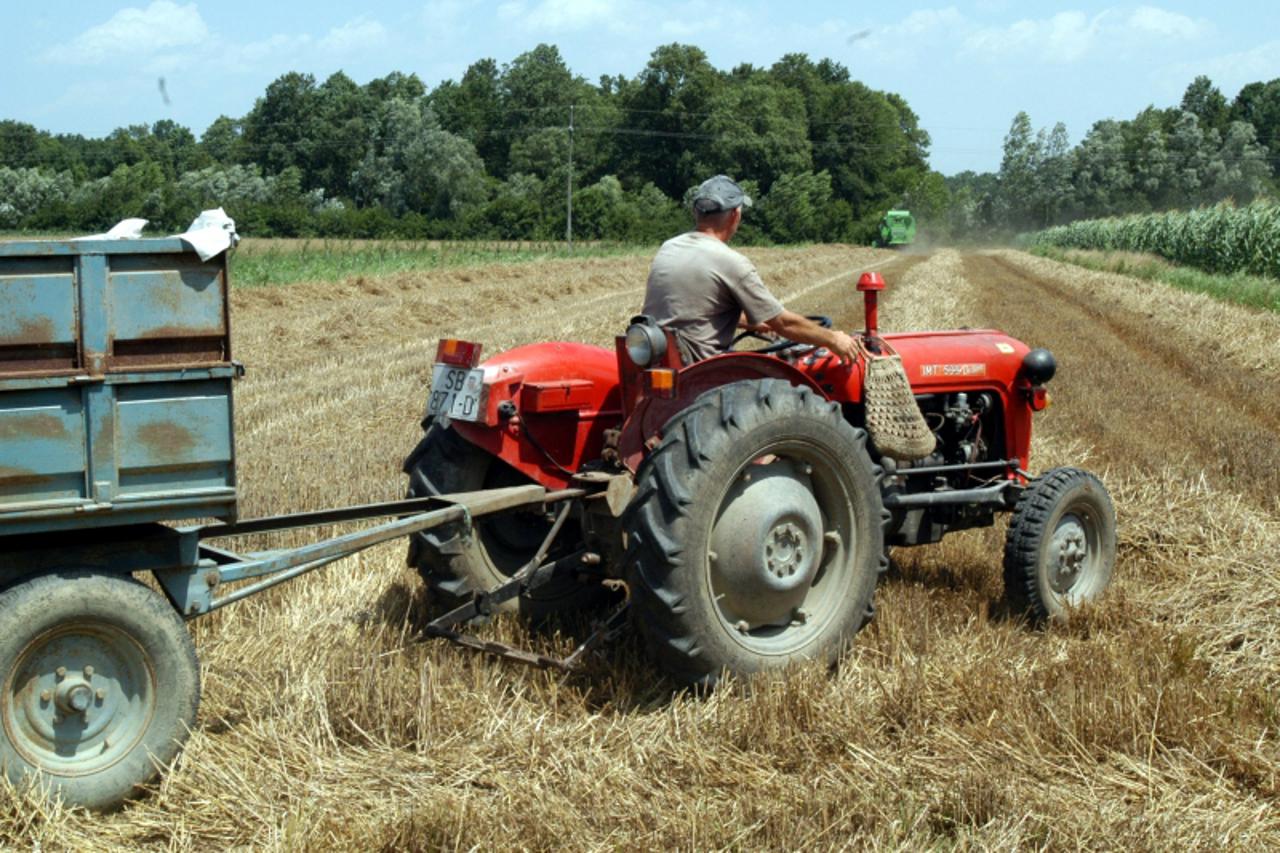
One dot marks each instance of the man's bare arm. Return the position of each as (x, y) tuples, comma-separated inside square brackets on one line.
[(797, 327)]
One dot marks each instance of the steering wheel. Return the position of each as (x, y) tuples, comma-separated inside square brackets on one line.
[(780, 344)]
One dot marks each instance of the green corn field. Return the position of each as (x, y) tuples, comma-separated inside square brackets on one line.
[(1219, 239)]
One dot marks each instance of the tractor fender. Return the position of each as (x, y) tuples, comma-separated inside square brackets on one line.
[(648, 418), (546, 408)]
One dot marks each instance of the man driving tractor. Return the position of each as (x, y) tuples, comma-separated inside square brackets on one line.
[(703, 290)]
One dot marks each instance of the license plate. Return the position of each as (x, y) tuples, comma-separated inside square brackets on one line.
[(457, 393)]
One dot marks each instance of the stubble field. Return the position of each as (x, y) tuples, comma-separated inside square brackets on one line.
[(1147, 722)]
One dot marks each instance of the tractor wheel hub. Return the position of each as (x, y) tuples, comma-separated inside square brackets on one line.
[(767, 544), (1069, 551)]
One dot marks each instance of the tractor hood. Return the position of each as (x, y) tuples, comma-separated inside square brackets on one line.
[(941, 361)]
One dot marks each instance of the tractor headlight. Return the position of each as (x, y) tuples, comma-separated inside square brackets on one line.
[(1039, 366), (646, 342)]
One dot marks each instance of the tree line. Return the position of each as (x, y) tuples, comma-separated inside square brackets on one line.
[(494, 154), (1203, 151)]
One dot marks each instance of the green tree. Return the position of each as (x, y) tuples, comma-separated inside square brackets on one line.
[(1203, 100), (1103, 180), (797, 206), (1018, 173), (473, 109), (223, 141), (1190, 153), (1240, 169), (1053, 188), (20, 145), (343, 117), (26, 191), (1259, 105), (756, 130), (669, 97), (284, 126), (417, 166)]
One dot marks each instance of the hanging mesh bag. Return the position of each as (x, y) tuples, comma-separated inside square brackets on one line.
[(895, 424)]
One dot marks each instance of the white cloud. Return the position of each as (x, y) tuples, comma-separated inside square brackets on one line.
[(901, 43), (928, 21), (569, 15), (444, 17), (276, 47), (1165, 24), (1072, 35), (686, 30), (357, 34), (1065, 37), (133, 32), (1232, 70)]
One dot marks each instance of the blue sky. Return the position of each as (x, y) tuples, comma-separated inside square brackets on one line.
[(89, 67)]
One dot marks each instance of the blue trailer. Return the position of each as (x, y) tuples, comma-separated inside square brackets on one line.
[(117, 435)]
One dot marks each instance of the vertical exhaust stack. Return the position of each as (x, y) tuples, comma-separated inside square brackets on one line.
[(871, 283)]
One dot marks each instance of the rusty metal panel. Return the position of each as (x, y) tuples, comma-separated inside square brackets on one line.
[(38, 316), (42, 446), (173, 436), (115, 385), (166, 310)]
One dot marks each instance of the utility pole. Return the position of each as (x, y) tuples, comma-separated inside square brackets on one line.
[(568, 227)]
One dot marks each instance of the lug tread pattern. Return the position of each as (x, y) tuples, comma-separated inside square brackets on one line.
[(446, 557), (657, 519), (1026, 534)]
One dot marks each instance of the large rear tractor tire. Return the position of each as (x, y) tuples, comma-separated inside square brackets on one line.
[(101, 685), (455, 562), (1060, 550), (756, 534)]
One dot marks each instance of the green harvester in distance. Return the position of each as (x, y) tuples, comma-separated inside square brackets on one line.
[(897, 228)]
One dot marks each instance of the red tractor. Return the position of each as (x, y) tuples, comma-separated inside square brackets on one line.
[(741, 502)]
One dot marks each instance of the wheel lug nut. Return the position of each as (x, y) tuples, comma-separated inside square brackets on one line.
[(61, 672), (101, 694), (88, 672), (742, 626), (46, 695)]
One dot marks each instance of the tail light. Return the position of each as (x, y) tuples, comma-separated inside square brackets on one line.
[(458, 353), (660, 383), (1040, 399)]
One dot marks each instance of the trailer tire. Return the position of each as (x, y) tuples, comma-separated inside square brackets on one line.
[(756, 535), (1060, 549), (101, 685), (455, 562)]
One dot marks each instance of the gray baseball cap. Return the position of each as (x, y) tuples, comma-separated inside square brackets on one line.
[(719, 193)]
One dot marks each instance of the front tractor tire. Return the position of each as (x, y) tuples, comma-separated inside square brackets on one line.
[(1060, 549), (455, 562), (101, 686), (755, 538)]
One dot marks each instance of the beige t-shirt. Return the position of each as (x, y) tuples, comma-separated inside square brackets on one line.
[(698, 287)]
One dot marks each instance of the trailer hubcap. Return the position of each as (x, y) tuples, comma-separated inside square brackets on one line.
[(78, 699), (1068, 554), (766, 545)]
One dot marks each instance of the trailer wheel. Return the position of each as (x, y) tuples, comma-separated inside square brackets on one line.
[(1061, 546), (101, 685), (756, 535), (454, 563)]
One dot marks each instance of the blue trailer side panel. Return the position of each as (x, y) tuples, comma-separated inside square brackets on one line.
[(115, 385)]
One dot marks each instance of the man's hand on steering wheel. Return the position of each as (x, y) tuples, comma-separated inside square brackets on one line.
[(816, 331)]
